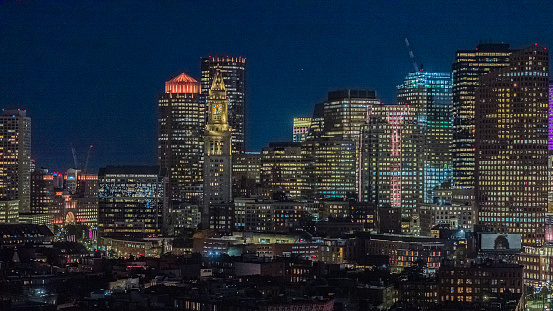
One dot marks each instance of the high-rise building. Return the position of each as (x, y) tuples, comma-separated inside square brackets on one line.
[(512, 146), (246, 174), (42, 191), (86, 200), (391, 162), (317, 122), (131, 201), (217, 170), (283, 171), (469, 65), (180, 142), (233, 70), (15, 151), (345, 113), (429, 95), (300, 129), (550, 115), (330, 167)]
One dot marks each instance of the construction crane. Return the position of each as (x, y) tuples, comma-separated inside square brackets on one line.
[(74, 157), (87, 158), (416, 64), (76, 162)]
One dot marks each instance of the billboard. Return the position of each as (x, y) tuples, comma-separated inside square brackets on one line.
[(500, 242)]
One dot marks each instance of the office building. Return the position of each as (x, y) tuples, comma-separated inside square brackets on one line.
[(300, 129), (345, 113), (429, 95), (391, 162), (469, 65), (512, 146), (217, 169), (86, 200), (317, 122), (180, 142), (9, 212), (283, 171), (330, 165), (246, 174), (233, 71), (131, 201), (550, 115), (15, 151)]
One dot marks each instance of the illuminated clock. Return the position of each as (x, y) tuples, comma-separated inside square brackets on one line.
[(217, 109)]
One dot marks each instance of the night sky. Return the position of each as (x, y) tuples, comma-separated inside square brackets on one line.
[(90, 72)]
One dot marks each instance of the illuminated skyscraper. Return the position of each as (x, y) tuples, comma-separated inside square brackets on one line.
[(469, 65), (233, 70), (512, 146), (391, 159), (300, 129), (429, 95), (550, 115), (180, 142), (345, 113), (217, 169), (15, 152), (131, 201), (331, 167)]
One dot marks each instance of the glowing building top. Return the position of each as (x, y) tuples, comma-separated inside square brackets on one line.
[(182, 84)]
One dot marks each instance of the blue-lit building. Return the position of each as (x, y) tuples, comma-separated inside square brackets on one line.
[(429, 94), (131, 201)]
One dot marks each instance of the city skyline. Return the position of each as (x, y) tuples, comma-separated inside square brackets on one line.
[(94, 81)]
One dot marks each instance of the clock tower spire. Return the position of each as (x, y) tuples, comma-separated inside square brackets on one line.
[(218, 133), (217, 200)]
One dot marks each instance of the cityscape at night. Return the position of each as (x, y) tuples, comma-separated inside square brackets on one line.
[(294, 155)]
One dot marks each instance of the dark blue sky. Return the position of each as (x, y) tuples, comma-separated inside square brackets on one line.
[(89, 72)]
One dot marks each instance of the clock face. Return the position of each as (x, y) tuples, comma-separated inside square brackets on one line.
[(217, 109)]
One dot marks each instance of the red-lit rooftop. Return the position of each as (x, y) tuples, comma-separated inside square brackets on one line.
[(182, 84)]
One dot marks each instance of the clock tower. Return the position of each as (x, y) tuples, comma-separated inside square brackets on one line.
[(217, 160)]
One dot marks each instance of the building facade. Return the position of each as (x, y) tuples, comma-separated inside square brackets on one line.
[(217, 155), (131, 201), (180, 141), (391, 158), (15, 168), (512, 146), (469, 65), (233, 70), (429, 95), (283, 171), (246, 174), (300, 129)]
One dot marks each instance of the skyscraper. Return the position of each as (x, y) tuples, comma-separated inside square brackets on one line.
[(180, 142), (330, 167), (429, 95), (233, 70), (391, 161), (345, 113), (469, 65), (217, 170), (512, 146), (15, 152), (300, 129)]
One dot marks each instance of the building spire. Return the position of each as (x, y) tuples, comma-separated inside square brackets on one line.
[(218, 83)]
